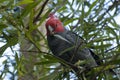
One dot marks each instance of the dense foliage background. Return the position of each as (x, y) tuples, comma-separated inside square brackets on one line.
[(29, 58)]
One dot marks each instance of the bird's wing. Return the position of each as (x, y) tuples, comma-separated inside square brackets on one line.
[(74, 38), (82, 52)]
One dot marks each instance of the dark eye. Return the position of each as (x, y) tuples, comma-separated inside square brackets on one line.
[(56, 25)]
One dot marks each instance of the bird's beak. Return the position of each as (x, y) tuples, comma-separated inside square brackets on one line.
[(51, 30)]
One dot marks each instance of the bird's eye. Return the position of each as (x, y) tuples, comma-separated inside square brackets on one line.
[(56, 25)]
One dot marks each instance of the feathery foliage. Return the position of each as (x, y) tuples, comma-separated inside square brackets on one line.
[(94, 20)]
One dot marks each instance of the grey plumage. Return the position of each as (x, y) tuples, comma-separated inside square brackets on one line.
[(71, 48)]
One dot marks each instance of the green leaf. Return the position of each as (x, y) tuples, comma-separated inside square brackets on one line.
[(112, 31), (11, 41), (91, 7), (50, 76), (103, 39), (102, 46), (2, 26), (3, 48), (29, 8), (68, 49), (46, 62), (31, 18), (25, 2), (62, 9), (70, 21), (50, 57)]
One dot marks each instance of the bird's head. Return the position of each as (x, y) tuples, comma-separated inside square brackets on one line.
[(53, 25)]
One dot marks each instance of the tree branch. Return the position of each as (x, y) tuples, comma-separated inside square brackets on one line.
[(111, 49), (40, 12)]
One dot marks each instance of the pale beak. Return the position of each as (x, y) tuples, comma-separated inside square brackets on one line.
[(50, 29)]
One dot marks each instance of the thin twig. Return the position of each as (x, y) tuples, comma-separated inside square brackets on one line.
[(111, 49), (76, 24), (31, 51), (115, 3), (40, 12)]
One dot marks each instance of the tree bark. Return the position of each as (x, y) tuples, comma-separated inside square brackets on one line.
[(31, 57)]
